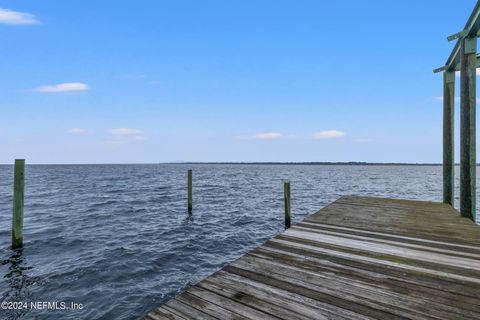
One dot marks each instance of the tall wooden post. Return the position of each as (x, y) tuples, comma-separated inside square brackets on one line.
[(448, 153), (468, 101), (18, 197), (286, 197), (190, 200)]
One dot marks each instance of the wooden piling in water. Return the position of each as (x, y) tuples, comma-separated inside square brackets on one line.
[(468, 100), (190, 197), (448, 133), (18, 201), (286, 196)]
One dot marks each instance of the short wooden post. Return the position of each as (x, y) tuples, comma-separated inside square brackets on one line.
[(448, 153), (190, 202), (18, 198), (286, 197), (468, 166)]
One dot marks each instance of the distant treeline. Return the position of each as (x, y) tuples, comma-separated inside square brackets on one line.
[(352, 163)]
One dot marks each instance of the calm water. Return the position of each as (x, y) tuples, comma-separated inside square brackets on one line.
[(118, 240)]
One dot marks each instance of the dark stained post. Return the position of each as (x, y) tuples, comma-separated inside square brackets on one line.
[(190, 204), (18, 196), (448, 153), (286, 197), (468, 62)]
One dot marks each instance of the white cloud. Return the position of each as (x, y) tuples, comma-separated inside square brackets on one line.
[(262, 136), (77, 131), (63, 87), (329, 134), (140, 138), (362, 140), (17, 18), (122, 136), (125, 131), (115, 142)]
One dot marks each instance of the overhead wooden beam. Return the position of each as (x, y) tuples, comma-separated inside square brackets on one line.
[(470, 30), (468, 101), (441, 69), (457, 35), (448, 136), (456, 68)]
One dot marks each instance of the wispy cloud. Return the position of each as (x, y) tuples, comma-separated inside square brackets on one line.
[(63, 87), (125, 131), (362, 140), (262, 136), (120, 136), (124, 140), (329, 134), (17, 18), (77, 131), (139, 137)]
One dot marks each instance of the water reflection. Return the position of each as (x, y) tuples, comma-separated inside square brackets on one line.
[(189, 218), (17, 281)]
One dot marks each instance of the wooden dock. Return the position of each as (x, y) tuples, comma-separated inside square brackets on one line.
[(358, 258)]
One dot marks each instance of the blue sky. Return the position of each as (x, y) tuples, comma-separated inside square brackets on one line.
[(157, 81)]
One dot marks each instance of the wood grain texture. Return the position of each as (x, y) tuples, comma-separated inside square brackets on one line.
[(468, 105), (18, 203), (448, 137), (357, 258)]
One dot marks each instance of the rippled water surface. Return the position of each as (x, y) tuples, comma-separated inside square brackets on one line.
[(118, 240)]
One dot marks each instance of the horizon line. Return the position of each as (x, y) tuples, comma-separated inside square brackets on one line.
[(253, 163)]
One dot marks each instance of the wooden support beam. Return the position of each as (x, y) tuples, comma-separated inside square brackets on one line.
[(18, 199), (468, 99), (448, 134)]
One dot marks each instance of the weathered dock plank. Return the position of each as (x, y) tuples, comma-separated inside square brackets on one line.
[(358, 258)]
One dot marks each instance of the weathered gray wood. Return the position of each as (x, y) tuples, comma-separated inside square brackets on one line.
[(239, 308), (190, 191), (302, 305), (397, 283), (265, 304), (18, 201), (162, 313), (352, 291), (286, 197), (208, 307), (468, 100), (448, 136), (358, 258), (456, 285), (187, 311)]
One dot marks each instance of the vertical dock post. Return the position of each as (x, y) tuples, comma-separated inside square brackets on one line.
[(468, 166), (190, 204), (18, 198), (286, 197), (448, 137)]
